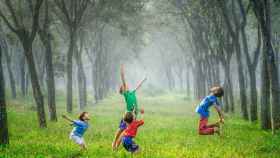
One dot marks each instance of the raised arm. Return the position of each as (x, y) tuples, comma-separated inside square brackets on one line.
[(140, 84), (122, 75), (67, 118)]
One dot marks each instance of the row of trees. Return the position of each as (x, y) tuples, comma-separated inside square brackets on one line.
[(229, 41), (34, 35)]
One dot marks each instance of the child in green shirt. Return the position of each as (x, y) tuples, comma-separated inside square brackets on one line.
[(131, 104)]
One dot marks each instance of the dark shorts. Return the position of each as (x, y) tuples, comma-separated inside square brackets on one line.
[(122, 125), (129, 144)]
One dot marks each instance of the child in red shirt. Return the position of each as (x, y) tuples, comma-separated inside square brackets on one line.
[(131, 131)]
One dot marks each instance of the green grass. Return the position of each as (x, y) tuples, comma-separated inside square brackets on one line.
[(170, 131)]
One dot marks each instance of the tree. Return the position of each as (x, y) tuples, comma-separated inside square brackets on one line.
[(45, 37), (26, 35), (72, 16), (4, 136), (234, 33), (251, 62), (270, 78), (6, 52)]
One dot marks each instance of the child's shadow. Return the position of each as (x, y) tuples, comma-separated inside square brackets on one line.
[(76, 154)]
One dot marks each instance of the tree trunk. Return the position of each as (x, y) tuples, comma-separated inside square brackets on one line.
[(4, 135), (265, 95), (22, 76), (272, 69), (241, 79), (253, 96), (81, 77), (27, 81), (37, 94), (10, 72), (188, 87), (69, 67), (46, 40)]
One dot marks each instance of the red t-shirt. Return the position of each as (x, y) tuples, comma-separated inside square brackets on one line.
[(131, 129)]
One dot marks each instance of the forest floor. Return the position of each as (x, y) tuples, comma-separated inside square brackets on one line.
[(170, 131)]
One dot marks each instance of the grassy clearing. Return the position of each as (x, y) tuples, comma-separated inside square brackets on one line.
[(170, 131)]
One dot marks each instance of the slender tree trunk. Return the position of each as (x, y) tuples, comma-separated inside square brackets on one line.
[(265, 95), (4, 135), (27, 81), (22, 76), (227, 87), (45, 37), (37, 94), (10, 72), (272, 69), (188, 87), (46, 40), (229, 104), (81, 77), (69, 67), (241, 79), (253, 96)]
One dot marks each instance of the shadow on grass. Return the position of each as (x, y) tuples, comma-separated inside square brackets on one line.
[(75, 154)]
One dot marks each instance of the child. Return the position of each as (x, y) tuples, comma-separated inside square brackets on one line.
[(203, 110), (131, 104), (131, 131), (80, 127)]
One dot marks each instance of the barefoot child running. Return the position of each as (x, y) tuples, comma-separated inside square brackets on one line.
[(203, 111), (131, 131), (80, 127), (131, 104)]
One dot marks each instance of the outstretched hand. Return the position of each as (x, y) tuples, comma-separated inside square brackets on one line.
[(222, 120), (142, 111)]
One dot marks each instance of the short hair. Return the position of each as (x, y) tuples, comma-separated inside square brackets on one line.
[(218, 91), (81, 117), (128, 117)]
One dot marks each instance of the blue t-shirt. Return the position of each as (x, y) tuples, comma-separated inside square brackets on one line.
[(205, 104), (79, 127)]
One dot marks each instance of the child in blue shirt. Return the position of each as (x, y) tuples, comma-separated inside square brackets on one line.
[(203, 110), (80, 127)]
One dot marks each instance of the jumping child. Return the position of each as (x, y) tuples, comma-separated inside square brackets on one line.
[(203, 111), (80, 127), (131, 131), (131, 104)]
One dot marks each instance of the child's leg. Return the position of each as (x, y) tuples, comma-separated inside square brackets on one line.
[(130, 145), (83, 146), (119, 132), (207, 131), (137, 151), (79, 140), (203, 127), (217, 124)]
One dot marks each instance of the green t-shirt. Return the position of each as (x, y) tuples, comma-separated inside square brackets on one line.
[(131, 101)]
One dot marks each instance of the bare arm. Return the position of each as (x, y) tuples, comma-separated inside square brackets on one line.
[(219, 111), (119, 139), (67, 118), (140, 84), (122, 75)]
